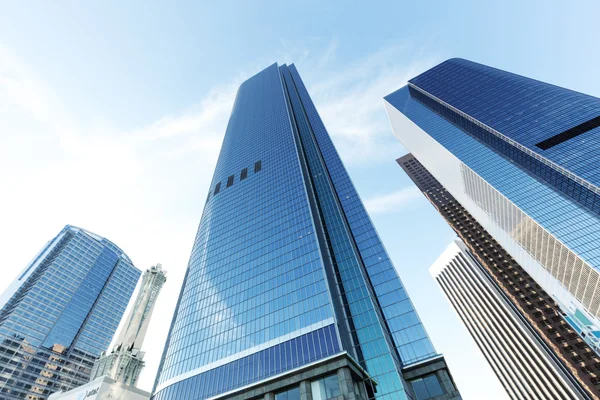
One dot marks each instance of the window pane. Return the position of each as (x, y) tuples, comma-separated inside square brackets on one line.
[(293, 394), (433, 386), (325, 388), (420, 389), (332, 387)]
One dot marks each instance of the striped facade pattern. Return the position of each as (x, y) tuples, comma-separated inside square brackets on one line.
[(576, 276), (525, 371)]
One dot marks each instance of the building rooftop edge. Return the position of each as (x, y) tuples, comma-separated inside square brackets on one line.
[(101, 239), (454, 248)]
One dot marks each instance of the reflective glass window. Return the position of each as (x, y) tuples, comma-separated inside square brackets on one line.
[(325, 388), (427, 387), (292, 394)]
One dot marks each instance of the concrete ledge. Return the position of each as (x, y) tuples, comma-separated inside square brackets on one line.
[(434, 366)]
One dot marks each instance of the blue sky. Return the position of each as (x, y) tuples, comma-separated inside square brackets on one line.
[(112, 115)]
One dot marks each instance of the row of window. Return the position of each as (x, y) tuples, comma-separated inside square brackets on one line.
[(243, 175), (274, 360), (569, 134), (549, 175), (567, 221)]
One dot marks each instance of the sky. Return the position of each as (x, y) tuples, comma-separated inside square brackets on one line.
[(112, 115)]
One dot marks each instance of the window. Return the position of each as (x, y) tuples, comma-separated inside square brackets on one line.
[(292, 394), (257, 166), (244, 174), (326, 388), (569, 134), (427, 387), (218, 188), (230, 180)]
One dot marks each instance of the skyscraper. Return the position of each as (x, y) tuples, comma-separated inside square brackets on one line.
[(289, 291), (513, 350), (61, 312), (500, 286), (521, 156)]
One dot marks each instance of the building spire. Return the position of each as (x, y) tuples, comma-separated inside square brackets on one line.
[(125, 361)]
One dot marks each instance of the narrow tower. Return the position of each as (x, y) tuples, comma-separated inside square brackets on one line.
[(125, 361), (289, 292)]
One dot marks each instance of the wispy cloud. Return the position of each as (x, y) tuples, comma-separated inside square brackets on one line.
[(392, 202), (328, 56), (197, 130), (349, 99), (20, 87), (205, 118)]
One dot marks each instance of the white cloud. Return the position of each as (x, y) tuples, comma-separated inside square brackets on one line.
[(391, 202), (328, 56), (20, 87)]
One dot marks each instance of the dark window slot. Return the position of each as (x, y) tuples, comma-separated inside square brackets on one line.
[(244, 174), (218, 188), (257, 166), (230, 180), (569, 134)]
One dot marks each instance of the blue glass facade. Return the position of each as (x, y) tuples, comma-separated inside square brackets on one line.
[(286, 268), (536, 183), (62, 313)]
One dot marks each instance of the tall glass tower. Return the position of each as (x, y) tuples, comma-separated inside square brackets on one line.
[(289, 291), (61, 312), (523, 158)]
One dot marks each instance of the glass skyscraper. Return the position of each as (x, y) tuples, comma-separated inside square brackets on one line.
[(522, 157), (61, 312), (289, 290)]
